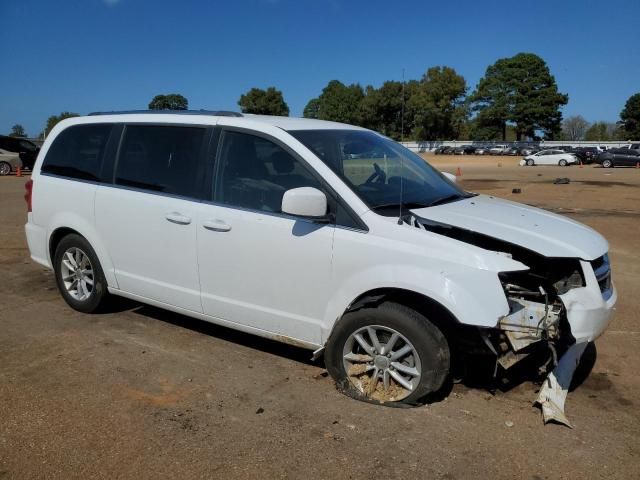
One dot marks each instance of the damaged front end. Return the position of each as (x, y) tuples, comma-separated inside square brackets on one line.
[(556, 306), (547, 304)]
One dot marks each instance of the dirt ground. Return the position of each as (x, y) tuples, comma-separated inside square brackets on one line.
[(142, 393)]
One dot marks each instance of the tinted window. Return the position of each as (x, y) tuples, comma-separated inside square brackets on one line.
[(254, 173), (78, 152), (27, 146), (161, 159)]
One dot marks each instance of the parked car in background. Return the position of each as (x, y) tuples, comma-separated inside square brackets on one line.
[(482, 150), (9, 162), (586, 154), (631, 146), (512, 151), (464, 150), (26, 150), (528, 151), (618, 157), (443, 150), (499, 149), (551, 157)]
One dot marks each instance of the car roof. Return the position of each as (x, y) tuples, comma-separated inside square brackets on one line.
[(180, 116)]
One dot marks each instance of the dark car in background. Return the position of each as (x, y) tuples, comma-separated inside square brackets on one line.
[(586, 154), (443, 150), (464, 150), (619, 157), (26, 150)]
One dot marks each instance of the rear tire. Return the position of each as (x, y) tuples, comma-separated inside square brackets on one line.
[(563, 163), (607, 164), (377, 370), (5, 169), (79, 275)]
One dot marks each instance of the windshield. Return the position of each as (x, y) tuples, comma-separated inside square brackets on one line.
[(377, 169)]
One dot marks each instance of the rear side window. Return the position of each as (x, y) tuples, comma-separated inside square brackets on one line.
[(161, 159), (78, 152)]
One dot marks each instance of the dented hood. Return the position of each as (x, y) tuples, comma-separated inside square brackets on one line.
[(543, 232)]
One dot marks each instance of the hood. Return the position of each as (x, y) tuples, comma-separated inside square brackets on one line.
[(543, 232)]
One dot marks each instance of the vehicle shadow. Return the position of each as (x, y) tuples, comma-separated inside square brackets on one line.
[(479, 374), (237, 337)]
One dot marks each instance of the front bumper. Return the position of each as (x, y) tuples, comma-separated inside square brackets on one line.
[(589, 309)]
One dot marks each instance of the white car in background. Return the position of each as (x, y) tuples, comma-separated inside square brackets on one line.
[(550, 157), (499, 149)]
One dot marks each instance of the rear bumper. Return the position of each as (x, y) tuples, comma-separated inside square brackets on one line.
[(37, 242)]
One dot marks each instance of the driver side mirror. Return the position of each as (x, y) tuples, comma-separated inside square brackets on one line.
[(450, 176), (306, 202)]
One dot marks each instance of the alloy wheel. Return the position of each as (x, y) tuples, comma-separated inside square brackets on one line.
[(381, 363), (77, 274)]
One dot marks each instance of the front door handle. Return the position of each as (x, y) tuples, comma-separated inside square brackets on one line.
[(216, 226), (175, 217)]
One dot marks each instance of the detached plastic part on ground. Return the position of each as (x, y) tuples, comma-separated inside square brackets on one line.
[(554, 391)]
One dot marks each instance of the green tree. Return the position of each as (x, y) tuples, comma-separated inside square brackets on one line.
[(312, 109), (604, 131), (630, 117), (171, 101), (574, 128), (17, 131), (53, 120), (264, 102), (436, 104), (340, 103), (520, 90), (381, 109)]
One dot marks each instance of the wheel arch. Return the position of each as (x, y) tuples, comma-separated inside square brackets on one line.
[(58, 233), (437, 313)]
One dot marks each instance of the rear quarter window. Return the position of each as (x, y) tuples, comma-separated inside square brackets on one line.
[(78, 152)]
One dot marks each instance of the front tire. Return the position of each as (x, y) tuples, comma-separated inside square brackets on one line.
[(607, 164), (79, 275), (389, 353), (530, 163), (562, 163), (5, 169)]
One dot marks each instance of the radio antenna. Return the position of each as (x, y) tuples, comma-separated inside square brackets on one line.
[(401, 153), (402, 111)]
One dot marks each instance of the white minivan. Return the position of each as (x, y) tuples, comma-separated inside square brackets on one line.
[(327, 236)]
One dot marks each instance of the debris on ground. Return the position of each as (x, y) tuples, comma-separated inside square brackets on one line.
[(259, 411), (556, 386), (516, 190), (509, 423), (561, 181)]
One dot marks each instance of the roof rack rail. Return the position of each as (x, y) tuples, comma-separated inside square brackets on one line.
[(217, 113)]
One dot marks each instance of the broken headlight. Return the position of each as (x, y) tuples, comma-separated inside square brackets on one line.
[(549, 276), (575, 280)]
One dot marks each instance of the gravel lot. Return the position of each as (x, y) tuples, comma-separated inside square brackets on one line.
[(142, 393)]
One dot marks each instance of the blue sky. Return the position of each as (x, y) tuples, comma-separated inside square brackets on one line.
[(87, 55)]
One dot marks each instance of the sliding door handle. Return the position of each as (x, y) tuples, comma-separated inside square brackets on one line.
[(216, 226), (175, 217)]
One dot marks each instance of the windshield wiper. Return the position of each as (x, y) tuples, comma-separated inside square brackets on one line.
[(447, 199), (383, 206)]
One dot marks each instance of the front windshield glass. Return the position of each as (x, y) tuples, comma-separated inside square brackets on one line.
[(377, 169)]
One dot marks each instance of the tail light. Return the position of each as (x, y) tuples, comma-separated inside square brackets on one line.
[(28, 186)]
